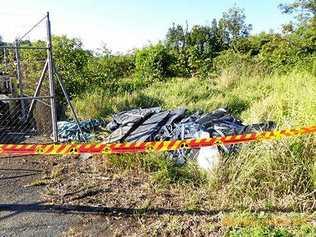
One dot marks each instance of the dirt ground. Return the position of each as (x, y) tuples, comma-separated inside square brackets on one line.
[(22, 211), (71, 196), (43, 196)]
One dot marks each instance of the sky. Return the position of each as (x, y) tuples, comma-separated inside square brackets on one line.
[(122, 25)]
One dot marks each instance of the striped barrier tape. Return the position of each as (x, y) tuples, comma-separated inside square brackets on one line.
[(139, 147)]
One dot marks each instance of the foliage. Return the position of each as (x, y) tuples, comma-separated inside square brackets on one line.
[(103, 71), (71, 60), (152, 63), (194, 50), (234, 21), (269, 53), (233, 60), (303, 9)]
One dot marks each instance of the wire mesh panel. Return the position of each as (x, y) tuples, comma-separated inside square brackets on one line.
[(31, 126), (25, 109), (25, 89)]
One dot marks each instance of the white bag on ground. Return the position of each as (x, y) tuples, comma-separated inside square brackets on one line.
[(208, 157)]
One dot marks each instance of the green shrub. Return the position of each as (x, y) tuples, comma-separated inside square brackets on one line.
[(71, 61), (282, 53), (242, 64), (109, 69), (153, 62), (200, 65), (180, 63)]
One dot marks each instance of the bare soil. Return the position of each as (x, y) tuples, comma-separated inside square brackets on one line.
[(22, 211), (71, 196), (47, 196)]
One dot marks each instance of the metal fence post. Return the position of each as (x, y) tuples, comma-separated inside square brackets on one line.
[(19, 77), (51, 80)]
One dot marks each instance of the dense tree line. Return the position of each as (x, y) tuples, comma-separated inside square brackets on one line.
[(200, 50), (204, 50)]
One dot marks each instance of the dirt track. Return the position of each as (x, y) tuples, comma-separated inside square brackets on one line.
[(22, 213)]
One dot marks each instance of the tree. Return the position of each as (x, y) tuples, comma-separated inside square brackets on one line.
[(303, 9), (177, 43), (176, 37), (218, 36), (200, 37), (153, 62), (71, 61), (234, 24)]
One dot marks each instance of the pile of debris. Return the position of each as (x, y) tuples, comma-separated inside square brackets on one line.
[(155, 124), (69, 131)]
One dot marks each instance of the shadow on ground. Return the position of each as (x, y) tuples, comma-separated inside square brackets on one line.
[(29, 172), (41, 207)]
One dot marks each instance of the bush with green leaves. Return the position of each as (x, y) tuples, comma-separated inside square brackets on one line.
[(153, 62), (106, 71), (180, 63), (242, 64), (71, 60)]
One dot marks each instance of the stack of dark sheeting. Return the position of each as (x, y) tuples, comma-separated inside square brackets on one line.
[(220, 122), (124, 123), (146, 130), (140, 125)]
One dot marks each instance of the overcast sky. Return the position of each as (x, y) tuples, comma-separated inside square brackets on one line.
[(126, 24)]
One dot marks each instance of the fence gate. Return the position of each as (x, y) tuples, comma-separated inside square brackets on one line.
[(27, 90)]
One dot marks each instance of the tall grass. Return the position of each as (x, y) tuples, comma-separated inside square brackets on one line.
[(270, 174), (287, 99)]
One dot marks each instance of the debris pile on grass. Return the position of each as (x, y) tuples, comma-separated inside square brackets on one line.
[(155, 124)]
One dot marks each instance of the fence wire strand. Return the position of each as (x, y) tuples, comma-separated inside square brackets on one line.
[(32, 28)]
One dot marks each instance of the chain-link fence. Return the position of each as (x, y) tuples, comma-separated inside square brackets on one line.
[(20, 124), (26, 94)]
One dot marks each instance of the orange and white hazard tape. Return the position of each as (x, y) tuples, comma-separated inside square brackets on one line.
[(140, 147)]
